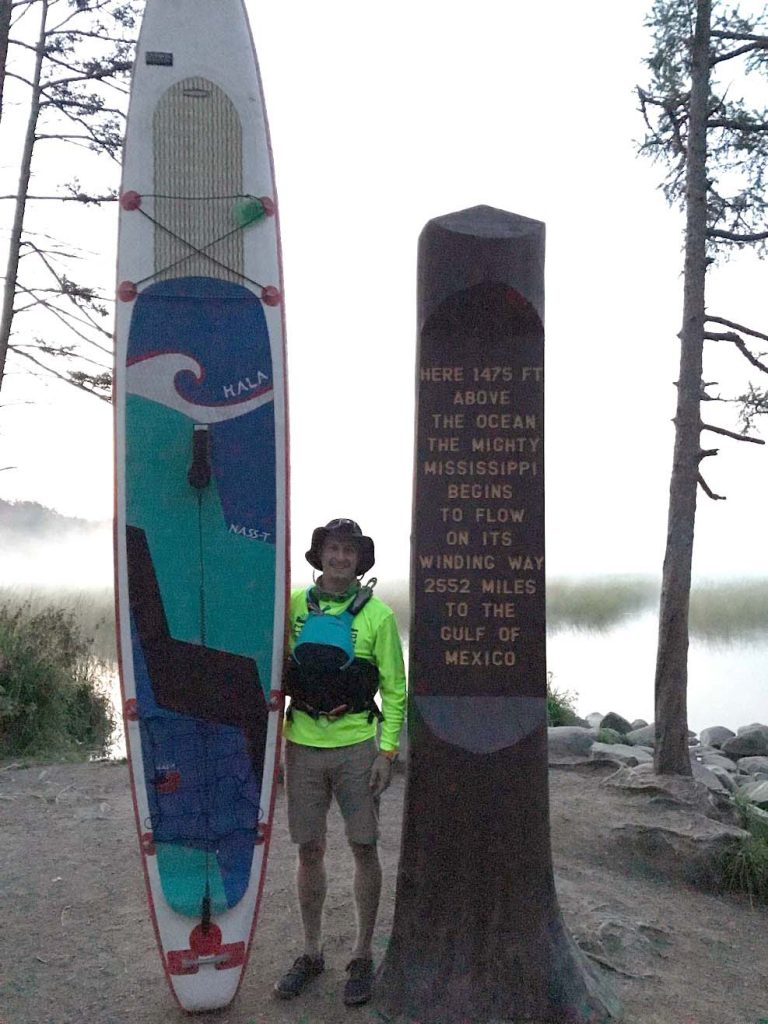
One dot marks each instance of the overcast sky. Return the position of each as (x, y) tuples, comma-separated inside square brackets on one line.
[(382, 117)]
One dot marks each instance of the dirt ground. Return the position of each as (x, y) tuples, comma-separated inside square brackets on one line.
[(77, 947)]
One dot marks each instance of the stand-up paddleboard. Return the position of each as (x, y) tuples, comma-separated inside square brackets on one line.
[(201, 507)]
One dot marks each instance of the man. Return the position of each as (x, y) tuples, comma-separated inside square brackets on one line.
[(330, 732)]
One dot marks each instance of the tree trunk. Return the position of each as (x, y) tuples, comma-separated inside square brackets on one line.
[(477, 932), (14, 249), (671, 752), (5, 28)]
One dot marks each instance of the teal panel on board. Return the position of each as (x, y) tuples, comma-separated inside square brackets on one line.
[(179, 522), (183, 873)]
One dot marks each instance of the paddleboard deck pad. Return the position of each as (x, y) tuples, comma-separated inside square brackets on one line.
[(201, 485)]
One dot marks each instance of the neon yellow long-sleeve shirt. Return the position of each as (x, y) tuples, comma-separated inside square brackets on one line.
[(375, 636)]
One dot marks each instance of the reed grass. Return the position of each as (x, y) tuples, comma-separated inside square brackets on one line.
[(728, 612), (53, 702), (599, 604)]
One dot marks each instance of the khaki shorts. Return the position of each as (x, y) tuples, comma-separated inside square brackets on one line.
[(314, 774)]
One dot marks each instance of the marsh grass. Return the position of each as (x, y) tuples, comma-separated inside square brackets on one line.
[(92, 609), (724, 612), (598, 604), (729, 612), (53, 700)]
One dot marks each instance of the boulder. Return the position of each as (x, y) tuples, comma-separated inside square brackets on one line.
[(569, 744), (747, 728), (676, 791), (639, 723), (713, 760), (726, 777), (756, 793), (620, 753), (686, 847), (595, 719), (752, 742), (710, 780), (615, 721), (644, 736), (752, 765), (715, 735)]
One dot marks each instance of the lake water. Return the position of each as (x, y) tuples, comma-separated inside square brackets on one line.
[(613, 670)]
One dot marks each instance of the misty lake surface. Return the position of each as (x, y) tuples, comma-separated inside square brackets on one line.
[(613, 670)]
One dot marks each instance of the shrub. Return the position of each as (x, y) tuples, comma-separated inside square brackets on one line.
[(745, 869), (561, 705), (51, 698)]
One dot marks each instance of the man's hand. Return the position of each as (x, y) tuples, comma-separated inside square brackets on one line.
[(381, 773)]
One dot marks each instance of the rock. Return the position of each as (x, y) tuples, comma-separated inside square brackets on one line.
[(644, 736), (615, 721), (752, 765), (595, 719), (726, 777), (756, 793), (710, 780), (679, 791), (712, 760), (620, 753), (747, 728), (639, 723), (752, 742), (687, 847), (715, 735), (569, 743)]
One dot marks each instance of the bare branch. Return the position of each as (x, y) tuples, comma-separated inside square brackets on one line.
[(705, 453), (737, 327), (747, 48), (708, 491), (67, 380), (732, 236), (731, 433)]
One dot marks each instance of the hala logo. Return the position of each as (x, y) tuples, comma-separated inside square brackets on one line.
[(243, 386)]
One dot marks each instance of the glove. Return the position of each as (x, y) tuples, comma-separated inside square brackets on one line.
[(381, 774)]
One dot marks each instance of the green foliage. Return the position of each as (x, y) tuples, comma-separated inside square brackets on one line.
[(51, 699), (737, 158), (610, 736), (755, 822), (561, 705), (745, 869)]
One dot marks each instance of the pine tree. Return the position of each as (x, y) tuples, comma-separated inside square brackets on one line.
[(714, 146), (72, 70)]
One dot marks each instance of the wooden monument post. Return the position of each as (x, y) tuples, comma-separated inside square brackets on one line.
[(477, 934)]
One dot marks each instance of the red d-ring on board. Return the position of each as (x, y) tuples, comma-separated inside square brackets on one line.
[(130, 200), (275, 700), (270, 296), (168, 782), (148, 844), (127, 291), (131, 710), (268, 204)]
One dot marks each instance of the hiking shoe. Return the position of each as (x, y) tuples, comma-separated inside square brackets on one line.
[(359, 986), (294, 981)]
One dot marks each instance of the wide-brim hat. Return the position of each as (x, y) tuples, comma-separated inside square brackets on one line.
[(349, 530)]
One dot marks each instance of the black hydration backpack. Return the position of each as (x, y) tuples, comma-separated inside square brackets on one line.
[(323, 674)]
